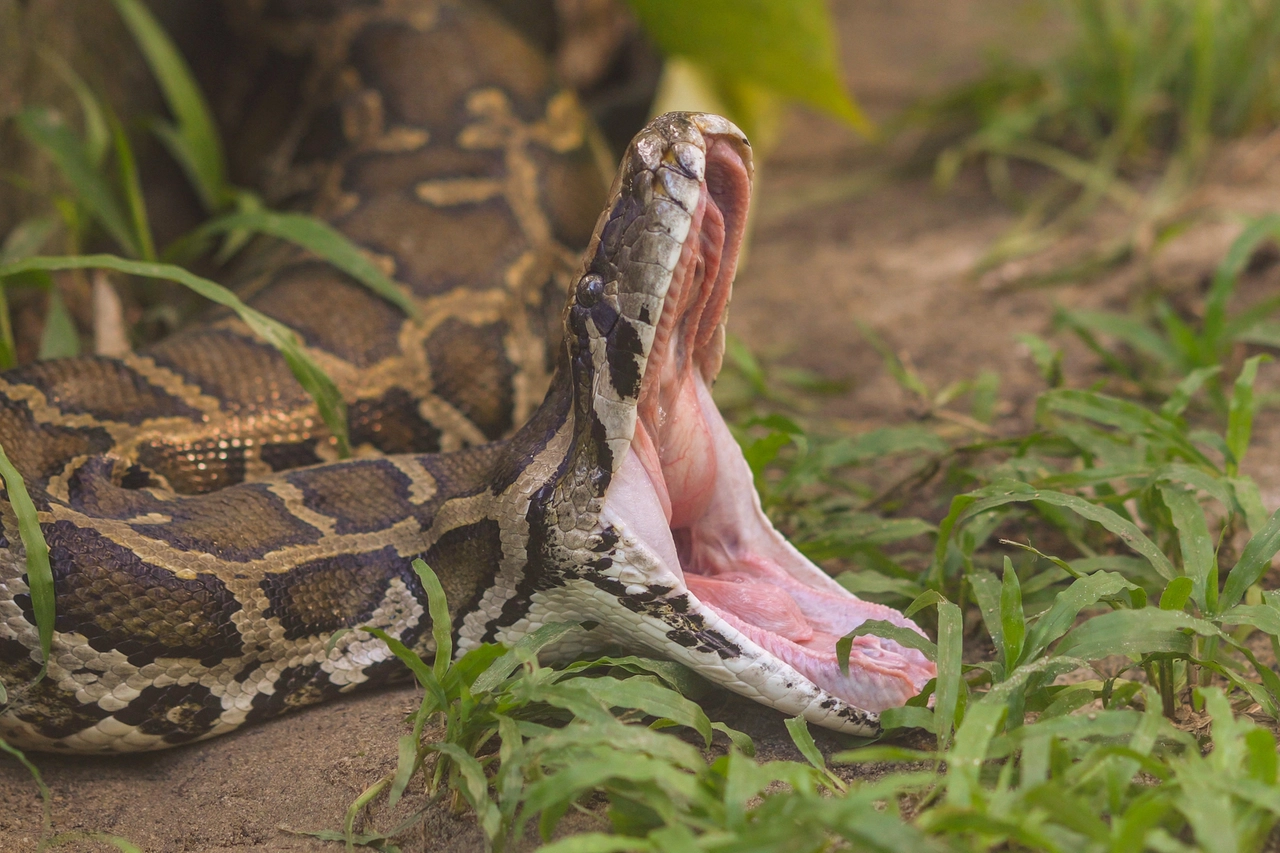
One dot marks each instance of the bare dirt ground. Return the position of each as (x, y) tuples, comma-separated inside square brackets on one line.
[(897, 257)]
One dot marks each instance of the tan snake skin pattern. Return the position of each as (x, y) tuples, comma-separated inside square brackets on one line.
[(203, 555)]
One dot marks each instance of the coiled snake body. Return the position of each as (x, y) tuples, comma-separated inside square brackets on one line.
[(549, 465)]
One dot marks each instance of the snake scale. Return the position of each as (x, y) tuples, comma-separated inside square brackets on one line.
[(551, 462)]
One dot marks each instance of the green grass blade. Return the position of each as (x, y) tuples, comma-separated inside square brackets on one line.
[(194, 140), (1240, 413), (986, 594), (441, 624), (1135, 632), (46, 130), (319, 238), (525, 648), (653, 699), (887, 630), (23, 241), (59, 338), (328, 399), (39, 574), (1225, 277), (787, 46), (1253, 563), (803, 739), (46, 797), (1194, 540), (1012, 619), (1008, 492), (127, 168), (1176, 594), (96, 135), (950, 648), (1085, 592), (1186, 389)]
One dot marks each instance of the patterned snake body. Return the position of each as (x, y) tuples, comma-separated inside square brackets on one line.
[(201, 569)]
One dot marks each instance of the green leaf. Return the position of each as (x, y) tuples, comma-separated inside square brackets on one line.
[(47, 130), (1006, 492), (950, 647), (321, 239), (803, 739), (653, 699), (39, 574), (887, 630), (441, 625), (964, 761), (908, 717), (194, 141), (596, 842), (1012, 619), (986, 593), (1085, 592), (525, 649), (333, 409), (1253, 563), (26, 239), (127, 168), (406, 763), (59, 339), (1264, 617), (1186, 389), (1048, 358), (1194, 541), (1225, 278), (475, 786), (1240, 414), (1176, 594), (787, 46), (1125, 329), (1129, 418), (95, 123), (1135, 632)]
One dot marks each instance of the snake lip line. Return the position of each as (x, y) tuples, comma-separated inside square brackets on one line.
[(714, 584)]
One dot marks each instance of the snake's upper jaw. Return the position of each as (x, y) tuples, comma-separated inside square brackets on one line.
[(703, 573)]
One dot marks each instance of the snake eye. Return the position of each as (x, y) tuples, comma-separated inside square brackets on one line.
[(590, 289)]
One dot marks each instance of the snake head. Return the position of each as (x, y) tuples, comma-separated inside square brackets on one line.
[(654, 508)]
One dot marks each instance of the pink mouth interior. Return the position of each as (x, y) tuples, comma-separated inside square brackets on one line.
[(687, 490)]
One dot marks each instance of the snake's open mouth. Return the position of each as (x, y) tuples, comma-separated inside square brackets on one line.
[(685, 492)]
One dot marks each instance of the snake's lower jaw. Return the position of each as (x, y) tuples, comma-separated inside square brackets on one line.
[(743, 606), (696, 558)]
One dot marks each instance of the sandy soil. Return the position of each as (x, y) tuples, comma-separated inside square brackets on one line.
[(896, 256)]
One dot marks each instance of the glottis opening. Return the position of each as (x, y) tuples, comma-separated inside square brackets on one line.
[(686, 491)]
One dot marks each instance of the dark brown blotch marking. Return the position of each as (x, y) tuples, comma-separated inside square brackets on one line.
[(392, 424), (333, 312), (466, 559), (363, 496), (297, 687), (178, 713), (117, 601), (242, 523), (102, 387), (54, 712), (40, 450), (246, 377), (321, 596), (287, 456), (470, 370), (107, 487)]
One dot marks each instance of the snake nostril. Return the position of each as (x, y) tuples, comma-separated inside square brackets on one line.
[(590, 290)]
